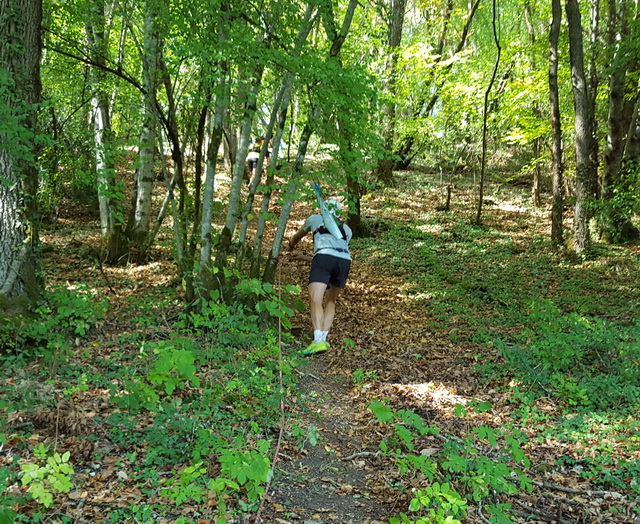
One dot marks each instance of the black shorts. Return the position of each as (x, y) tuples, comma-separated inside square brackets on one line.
[(330, 270)]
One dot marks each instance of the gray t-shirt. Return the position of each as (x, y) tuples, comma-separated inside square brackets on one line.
[(326, 243)]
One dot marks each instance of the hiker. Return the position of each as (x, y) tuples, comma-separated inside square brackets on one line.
[(254, 154), (330, 267)]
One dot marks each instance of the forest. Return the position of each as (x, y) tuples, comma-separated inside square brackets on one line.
[(156, 161)]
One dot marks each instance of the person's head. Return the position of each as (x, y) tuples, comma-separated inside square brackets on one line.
[(334, 207)]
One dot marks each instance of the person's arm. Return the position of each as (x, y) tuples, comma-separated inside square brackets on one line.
[(299, 235)]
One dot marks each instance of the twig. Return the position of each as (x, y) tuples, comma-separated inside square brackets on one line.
[(480, 513), (282, 409), (574, 491), (543, 514), (362, 454)]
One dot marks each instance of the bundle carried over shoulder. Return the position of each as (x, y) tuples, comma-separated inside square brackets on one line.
[(327, 215)]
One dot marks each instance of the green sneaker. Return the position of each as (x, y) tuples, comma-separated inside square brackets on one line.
[(315, 348)]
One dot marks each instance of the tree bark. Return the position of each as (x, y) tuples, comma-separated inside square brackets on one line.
[(20, 51), (616, 223), (215, 139), (557, 229), (485, 115), (145, 175), (396, 22), (586, 162), (114, 243)]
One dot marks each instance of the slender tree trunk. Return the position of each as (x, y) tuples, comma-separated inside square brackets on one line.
[(20, 48), (233, 206), (114, 243), (396, 22), (145, 175), (485, 115), (264, 208), (537, 113), (279, 109), (557, 229), (586, 164), (217, 131)]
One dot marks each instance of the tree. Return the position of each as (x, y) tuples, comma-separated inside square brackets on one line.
[(485, 112), (586, 146), (110, 199), (556, 126), (618, 175), (20, 51), (336, 37), (139, 223), (395, 23)]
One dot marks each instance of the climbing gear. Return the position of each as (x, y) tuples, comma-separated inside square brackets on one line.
[(321, 229), (315, 348), (327, 216)]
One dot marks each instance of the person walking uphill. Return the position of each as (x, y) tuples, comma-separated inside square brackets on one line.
[(330, 267)]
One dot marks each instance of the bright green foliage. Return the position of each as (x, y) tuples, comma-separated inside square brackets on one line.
[(184, 487), (587, 361), (468, 473), (63, 316), (51, 475), (173, 368), (250, 468)]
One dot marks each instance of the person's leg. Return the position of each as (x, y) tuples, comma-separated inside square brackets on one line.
[(316, 294), (330, 308)]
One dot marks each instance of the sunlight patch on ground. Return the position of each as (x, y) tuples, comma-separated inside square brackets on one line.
[(439, 394), (505, 205), (431, 228)]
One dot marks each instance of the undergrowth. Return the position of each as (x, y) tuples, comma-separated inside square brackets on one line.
[(194, 409)]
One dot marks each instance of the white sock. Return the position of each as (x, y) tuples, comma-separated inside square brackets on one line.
[(324, 335), (317, 335)]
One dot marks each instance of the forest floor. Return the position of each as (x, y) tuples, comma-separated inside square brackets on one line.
[(415, 330)]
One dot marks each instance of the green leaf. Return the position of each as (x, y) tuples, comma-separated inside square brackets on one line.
[(382, 412)]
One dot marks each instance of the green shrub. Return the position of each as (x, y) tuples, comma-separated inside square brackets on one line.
[(62, 316), (587, 361)]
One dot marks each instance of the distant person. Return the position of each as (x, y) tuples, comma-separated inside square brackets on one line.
[(330, 266), (254, 154)]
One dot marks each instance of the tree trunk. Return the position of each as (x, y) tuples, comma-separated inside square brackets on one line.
[(217, 131), (396, 22), (239, 169), (20, 48), (586, 164), (537, 113), (483, 161), (278, 115), (114, 243), (145, 175), (616, 225), (557, 232)]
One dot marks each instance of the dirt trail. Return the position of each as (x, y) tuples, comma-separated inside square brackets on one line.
[(331, 480), (342, 479)]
